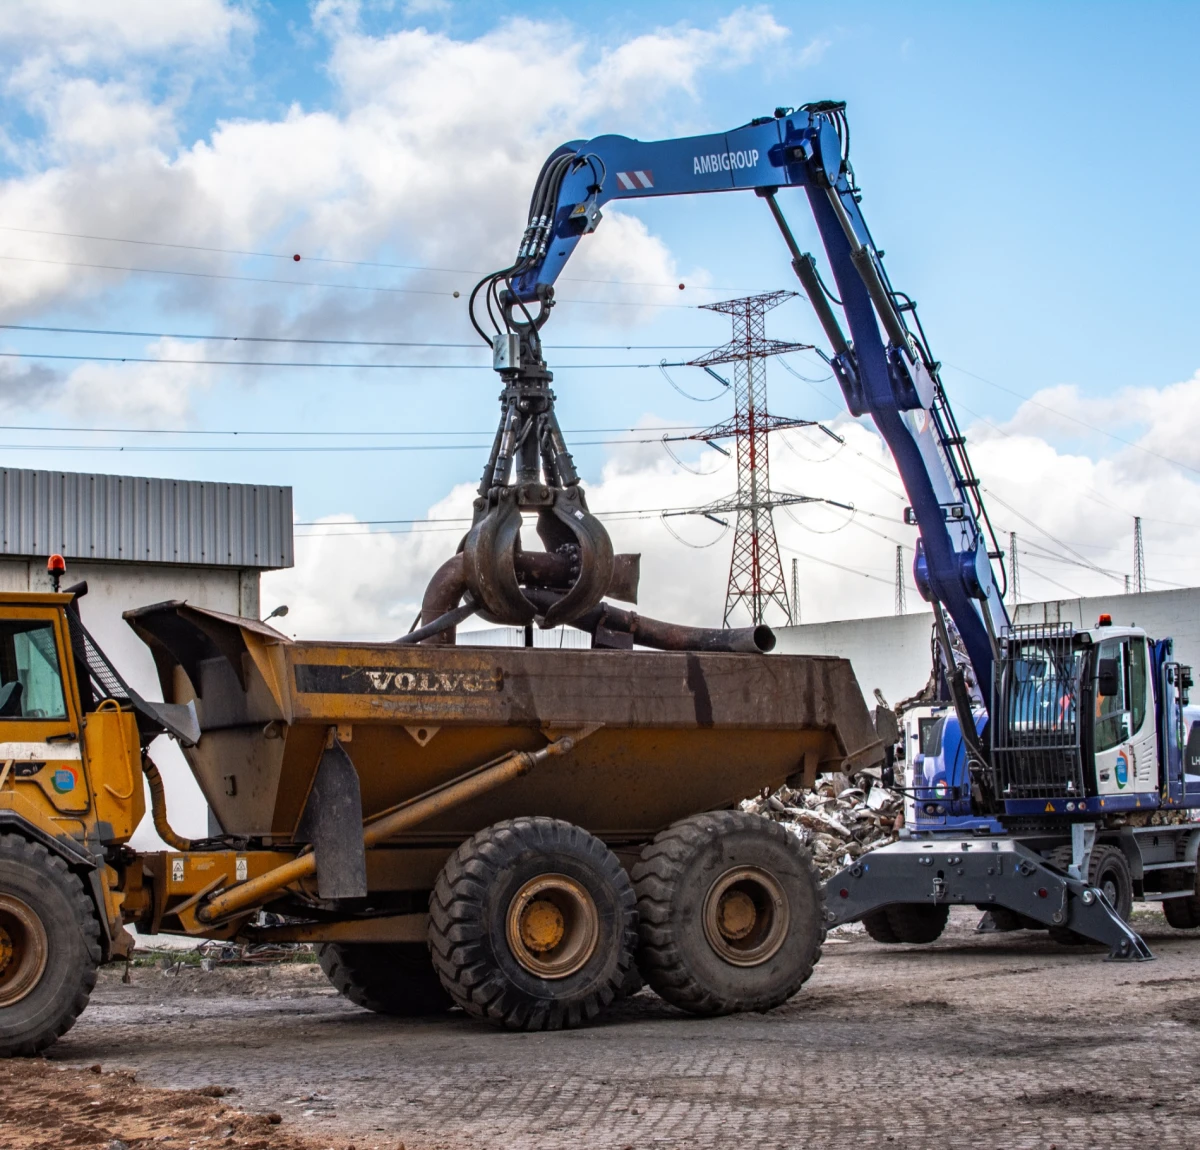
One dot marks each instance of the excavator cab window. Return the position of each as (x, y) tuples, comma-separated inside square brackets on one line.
[(30, 679), (1112, 710)]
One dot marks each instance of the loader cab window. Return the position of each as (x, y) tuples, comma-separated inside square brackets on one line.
[(30, 679)]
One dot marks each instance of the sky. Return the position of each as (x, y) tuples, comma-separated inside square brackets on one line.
[(1029, 169)]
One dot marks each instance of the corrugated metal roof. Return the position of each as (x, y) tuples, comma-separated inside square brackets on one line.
[(124, 518)]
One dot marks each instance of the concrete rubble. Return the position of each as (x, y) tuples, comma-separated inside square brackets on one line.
[(838, 820)]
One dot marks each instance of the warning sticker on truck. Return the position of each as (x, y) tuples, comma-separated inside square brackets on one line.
[(323, 679)]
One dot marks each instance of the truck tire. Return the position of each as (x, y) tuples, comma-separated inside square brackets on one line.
[(879, 926), (49, 947), (387, 977), (1108, 870), (730, 912), (533, 925)]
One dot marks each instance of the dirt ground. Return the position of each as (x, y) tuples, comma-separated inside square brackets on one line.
[(981, 1041)]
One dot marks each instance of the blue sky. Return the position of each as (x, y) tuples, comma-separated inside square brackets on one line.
[(1028, 168)]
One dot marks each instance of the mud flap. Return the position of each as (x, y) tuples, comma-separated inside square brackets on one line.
[(333, 823), (979, 872)]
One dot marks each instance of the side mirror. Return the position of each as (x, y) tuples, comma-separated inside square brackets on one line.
[(1107, 681)]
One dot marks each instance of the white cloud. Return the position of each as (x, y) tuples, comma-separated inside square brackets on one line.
[(81, 31)]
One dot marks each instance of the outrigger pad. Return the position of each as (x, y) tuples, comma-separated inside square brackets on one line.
[(979, 872)]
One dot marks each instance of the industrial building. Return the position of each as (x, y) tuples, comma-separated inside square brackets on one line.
[(893, 652)]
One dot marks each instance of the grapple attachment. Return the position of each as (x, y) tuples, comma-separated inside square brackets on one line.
[(530, 442)]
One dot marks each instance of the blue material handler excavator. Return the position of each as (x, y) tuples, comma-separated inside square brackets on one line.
[(1054, 795)]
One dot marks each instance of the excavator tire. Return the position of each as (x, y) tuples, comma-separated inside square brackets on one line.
[(730, 913), (879, 926), (1182, 913), (49, 947), (533, 925), (918, 922), (1108, 869), (387, 977)]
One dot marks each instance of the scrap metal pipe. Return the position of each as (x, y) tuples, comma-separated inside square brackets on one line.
[(408, 815), (666, 636)]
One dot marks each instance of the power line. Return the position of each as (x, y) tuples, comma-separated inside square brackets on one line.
[(309, 283), (206, 431), (473, 346), (295, 257), (299, 363)]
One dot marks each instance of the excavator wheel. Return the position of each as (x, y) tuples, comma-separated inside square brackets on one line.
[(533, 925), (879, 926), (918, 922), (731, 913), (388, 977), (49, 947), (1108, 870), (1182, 913), (907, 922)]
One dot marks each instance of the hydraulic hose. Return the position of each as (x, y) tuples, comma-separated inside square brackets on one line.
[(158, 808)]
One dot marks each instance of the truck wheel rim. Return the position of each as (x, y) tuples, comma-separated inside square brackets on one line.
[(553, 926), (746, 916), (23, 949)]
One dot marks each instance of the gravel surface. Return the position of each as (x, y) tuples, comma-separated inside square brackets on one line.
[(988, 1041)]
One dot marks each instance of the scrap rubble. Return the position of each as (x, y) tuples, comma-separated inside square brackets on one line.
[(839, 819)]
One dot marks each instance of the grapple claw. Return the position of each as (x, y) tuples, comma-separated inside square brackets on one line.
[(489, 560), (568, 523)]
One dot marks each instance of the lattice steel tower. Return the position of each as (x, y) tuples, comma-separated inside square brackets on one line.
[(1139, 556), (756, 578)]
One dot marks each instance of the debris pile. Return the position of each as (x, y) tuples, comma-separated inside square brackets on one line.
[(838, 820)]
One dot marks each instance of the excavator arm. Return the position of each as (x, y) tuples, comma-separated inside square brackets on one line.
[(882, 361)]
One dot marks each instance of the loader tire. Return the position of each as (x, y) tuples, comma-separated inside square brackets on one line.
[(879, 926), (730, 912), (49, 947), (1108, 870), (389, 977), (1182, 913), (533, 925), (918, 922)]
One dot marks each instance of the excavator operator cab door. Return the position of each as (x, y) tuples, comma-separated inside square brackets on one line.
[(1124, 736), (39, 729)]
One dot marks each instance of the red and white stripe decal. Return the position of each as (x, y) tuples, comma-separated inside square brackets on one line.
[(631, 181)]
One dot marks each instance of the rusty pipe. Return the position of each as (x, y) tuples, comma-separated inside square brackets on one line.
[(158, 808), (664, 636), (404, 817), (442, 594)]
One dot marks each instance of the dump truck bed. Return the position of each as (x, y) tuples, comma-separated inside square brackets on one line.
[(660, 735)]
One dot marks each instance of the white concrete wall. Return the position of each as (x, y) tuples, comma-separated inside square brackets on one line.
[(893, 652), (114, 588)]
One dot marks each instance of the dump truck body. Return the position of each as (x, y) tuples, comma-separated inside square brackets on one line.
[(346, 779)]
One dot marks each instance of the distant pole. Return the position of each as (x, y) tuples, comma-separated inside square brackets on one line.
[(795, 593), (899, 579), (1014, 570), (1126, 584), (1139, 556)]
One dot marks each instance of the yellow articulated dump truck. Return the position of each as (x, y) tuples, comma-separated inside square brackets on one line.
[(525, 833)]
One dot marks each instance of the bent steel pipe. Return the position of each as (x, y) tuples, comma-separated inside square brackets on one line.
[(665, 636)]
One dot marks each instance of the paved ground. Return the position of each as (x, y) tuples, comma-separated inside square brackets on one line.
[(988, 1041)]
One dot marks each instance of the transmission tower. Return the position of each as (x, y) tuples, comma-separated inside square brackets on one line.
[(1139, 556), (756, 577), (899, 579), (795, 593), (1014, 570)]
